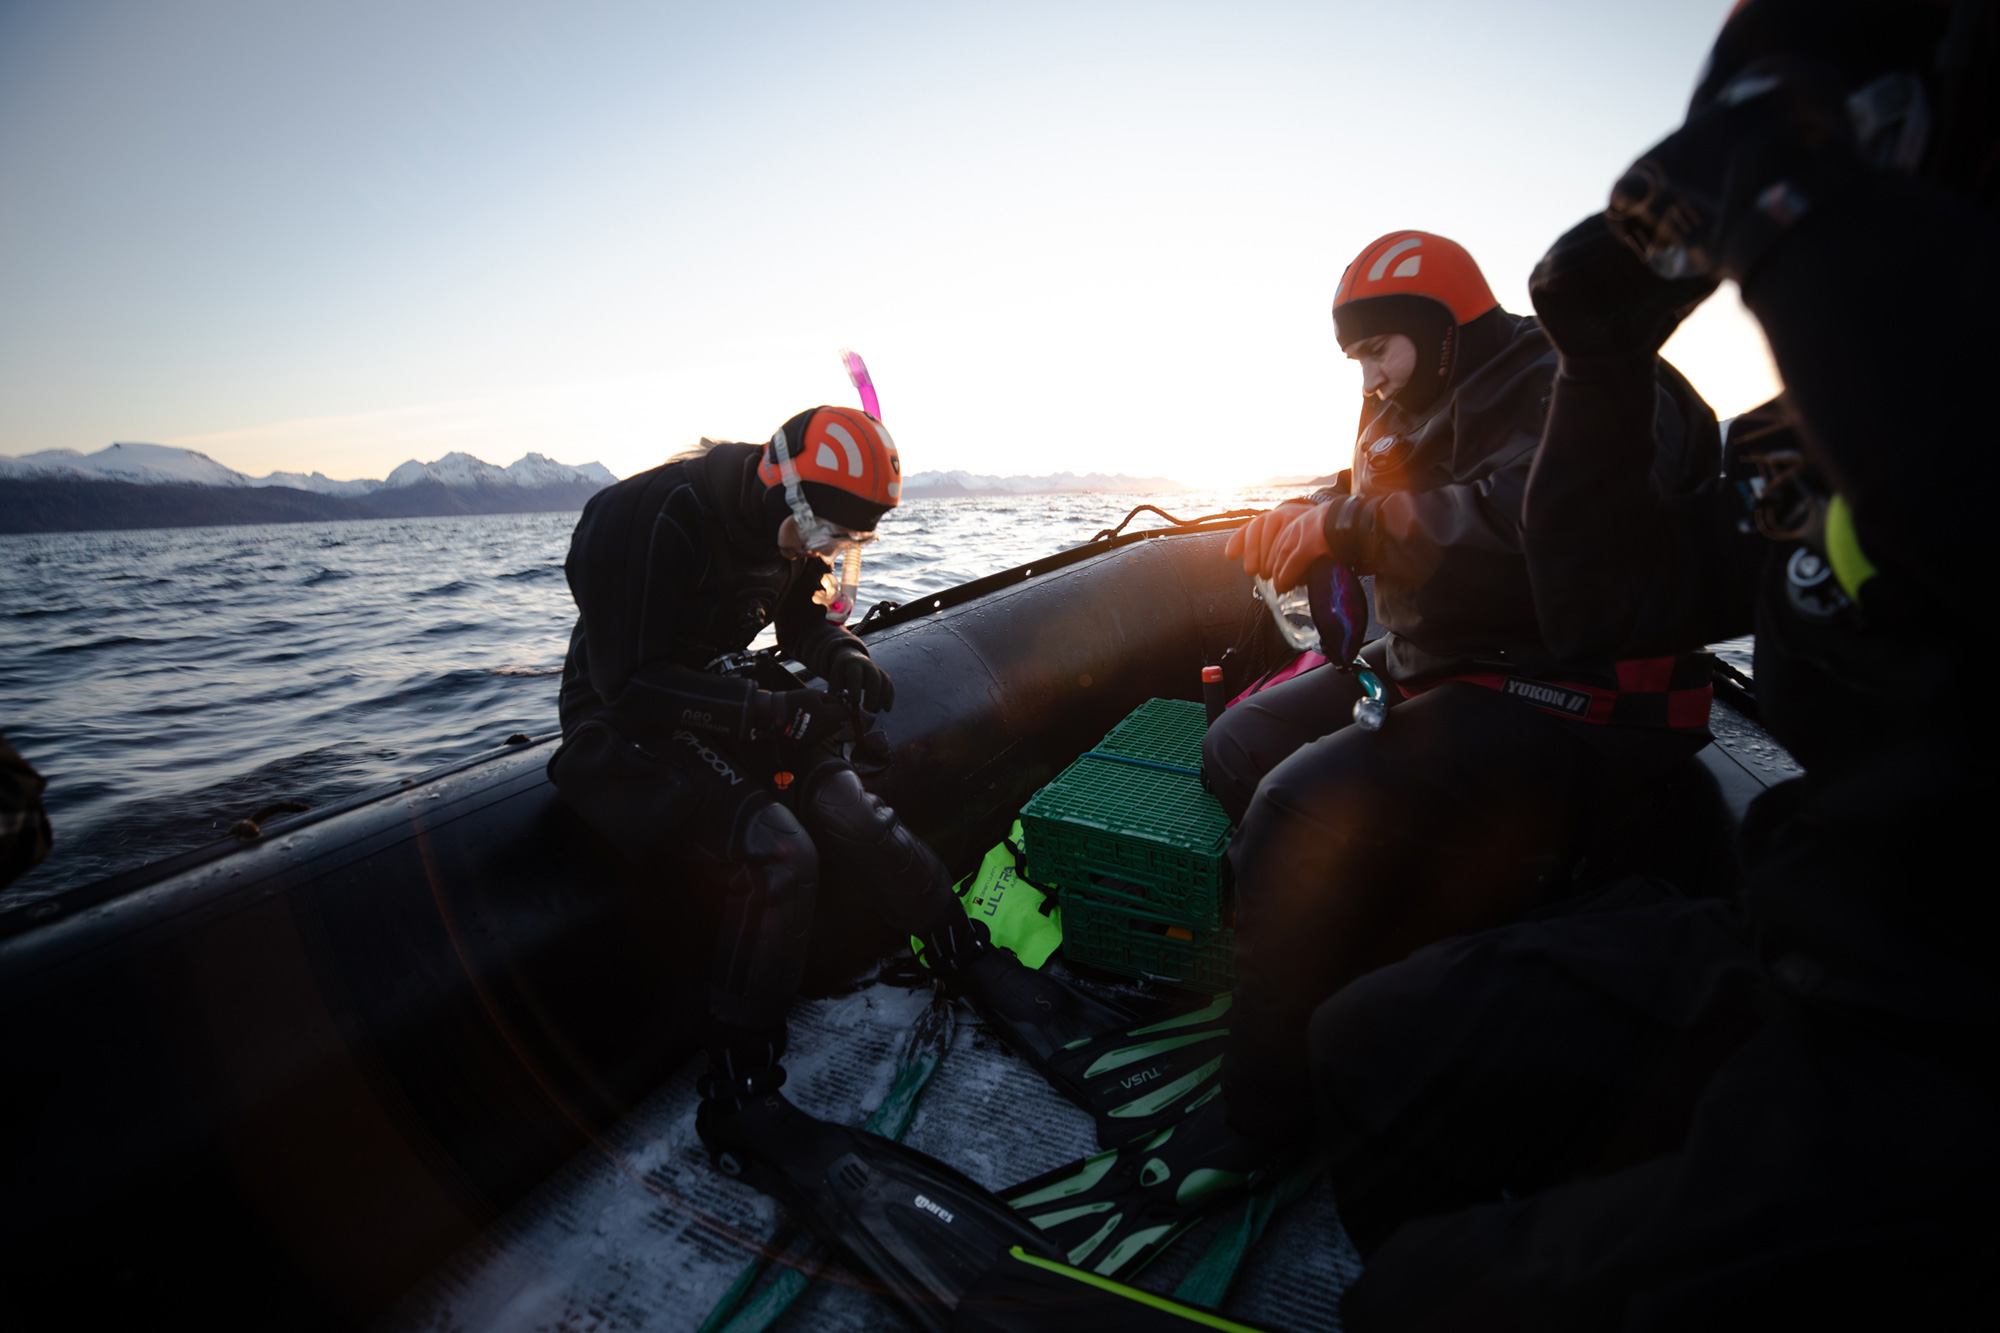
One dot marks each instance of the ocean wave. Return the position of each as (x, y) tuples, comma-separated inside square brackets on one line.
[(99, 645)]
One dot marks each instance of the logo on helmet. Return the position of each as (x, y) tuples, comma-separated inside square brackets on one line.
[(1409, 268), (825, 456)]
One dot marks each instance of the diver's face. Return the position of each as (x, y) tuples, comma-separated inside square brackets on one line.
[(790, 545), (1387, 362)]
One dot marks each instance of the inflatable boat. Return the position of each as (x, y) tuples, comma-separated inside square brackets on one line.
[(281, 1079)]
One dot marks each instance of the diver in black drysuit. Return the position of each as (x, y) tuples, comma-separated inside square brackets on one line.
[(1500, 762), (1654, 1111), (743, 789)]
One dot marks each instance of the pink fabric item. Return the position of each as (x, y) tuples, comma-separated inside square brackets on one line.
[(1298, 666)]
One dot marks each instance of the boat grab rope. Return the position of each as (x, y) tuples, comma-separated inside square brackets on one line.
[(253, 827), (1108, 533)]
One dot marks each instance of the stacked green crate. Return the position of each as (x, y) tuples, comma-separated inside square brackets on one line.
[(1136, 848)]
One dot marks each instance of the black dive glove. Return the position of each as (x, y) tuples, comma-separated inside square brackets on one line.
[(1598, 301), (1716, 195), (859, 683), (799, 715)]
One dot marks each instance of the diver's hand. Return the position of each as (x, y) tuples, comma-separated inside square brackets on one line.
[(1711, 199), (1342, 530), (1252, 542), (799, 715), (1297, 545), (1597, 300), (859, 683)]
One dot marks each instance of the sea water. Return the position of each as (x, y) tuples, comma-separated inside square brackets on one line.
[(169, 682)]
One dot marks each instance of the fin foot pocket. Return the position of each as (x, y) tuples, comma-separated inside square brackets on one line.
[(1040, 1017), (922, 1231)]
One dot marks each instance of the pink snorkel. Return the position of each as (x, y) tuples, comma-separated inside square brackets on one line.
[(857, 374), (841, 603)]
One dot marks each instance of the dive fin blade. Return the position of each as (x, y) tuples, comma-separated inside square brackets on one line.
[(1141, 1079)]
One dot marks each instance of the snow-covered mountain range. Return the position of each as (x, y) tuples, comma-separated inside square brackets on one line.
[(922, 485), (160, 464)]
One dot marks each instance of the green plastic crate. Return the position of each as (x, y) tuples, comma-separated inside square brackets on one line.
[(1140, 835), (1136, 943), (1163, 731)]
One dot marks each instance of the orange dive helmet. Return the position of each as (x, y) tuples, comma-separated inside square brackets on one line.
[(1421, 286), (839, 464), (1416, 263)]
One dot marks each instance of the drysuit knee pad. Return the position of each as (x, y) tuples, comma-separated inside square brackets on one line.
[(768, 877), (837, 806), (864, 838)]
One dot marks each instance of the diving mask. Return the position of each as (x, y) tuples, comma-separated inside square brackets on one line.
[(815, 533)]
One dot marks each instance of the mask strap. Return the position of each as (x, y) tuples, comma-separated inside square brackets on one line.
[(813, 532)]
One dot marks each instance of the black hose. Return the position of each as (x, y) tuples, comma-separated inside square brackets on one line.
[(1108, 533)]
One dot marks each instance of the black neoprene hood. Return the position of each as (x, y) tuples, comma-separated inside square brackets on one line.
[(1426, 323)]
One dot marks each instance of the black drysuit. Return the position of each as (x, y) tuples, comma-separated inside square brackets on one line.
[(672, 569), (1784, 1111), (1470, 805)]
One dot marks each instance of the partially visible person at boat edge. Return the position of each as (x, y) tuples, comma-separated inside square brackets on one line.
[(677, 753), (1653, 1109), (1497, 761), (25, 837)]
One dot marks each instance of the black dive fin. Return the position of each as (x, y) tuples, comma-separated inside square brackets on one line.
[(1027, 1293), (1142, 1079), (922, 1231)]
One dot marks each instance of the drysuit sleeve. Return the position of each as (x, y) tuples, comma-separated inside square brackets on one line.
[(683, 699), (1636, 544), (804, 632), (1880, 315)]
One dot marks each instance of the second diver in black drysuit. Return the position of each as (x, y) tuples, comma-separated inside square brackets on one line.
[(741, 793), (1499, 764), (1655, 1111)]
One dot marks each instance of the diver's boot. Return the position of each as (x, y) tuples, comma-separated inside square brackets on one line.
[(1037, 1015), (1114, 1212), (738, 1076)]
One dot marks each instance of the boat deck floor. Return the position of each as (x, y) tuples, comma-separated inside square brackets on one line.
[(640, 1232)]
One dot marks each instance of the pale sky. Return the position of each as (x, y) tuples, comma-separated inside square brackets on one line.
[(1104, 237)]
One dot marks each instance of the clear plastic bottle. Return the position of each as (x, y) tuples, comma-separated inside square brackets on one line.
[(1292, 610), (1293, 613)]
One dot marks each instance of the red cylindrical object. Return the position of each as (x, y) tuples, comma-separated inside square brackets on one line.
[(1213, 696)]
